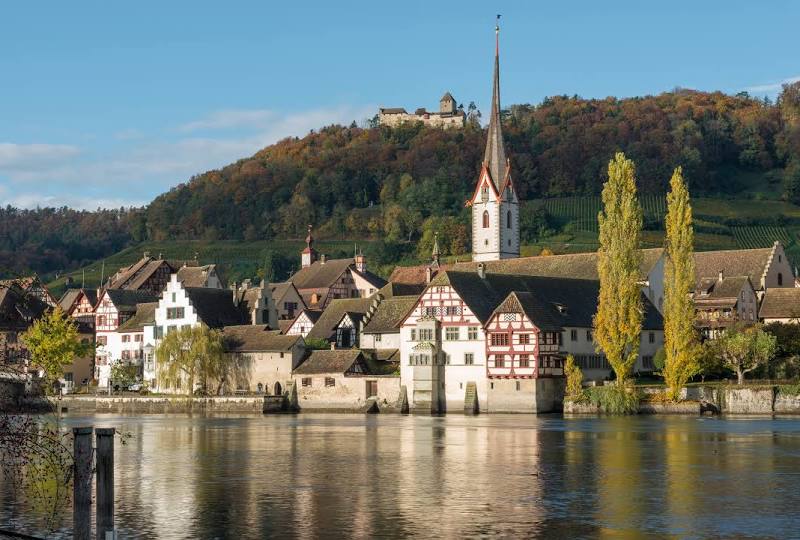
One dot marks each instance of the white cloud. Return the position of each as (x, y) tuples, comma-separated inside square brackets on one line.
[(771, 88), (21, 156), (146, 167)]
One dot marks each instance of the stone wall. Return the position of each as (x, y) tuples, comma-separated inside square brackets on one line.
[(347, 394), (160, 404)]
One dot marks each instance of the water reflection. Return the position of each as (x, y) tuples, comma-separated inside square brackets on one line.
[(357, 476)]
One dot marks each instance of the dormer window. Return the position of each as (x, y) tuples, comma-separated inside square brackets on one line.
[(485, 193)]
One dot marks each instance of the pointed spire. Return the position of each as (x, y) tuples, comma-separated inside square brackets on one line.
[(495, 157), (435, 252)]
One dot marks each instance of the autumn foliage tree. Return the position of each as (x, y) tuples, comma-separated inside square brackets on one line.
[(680, 339), (53, 342), (618, 321)]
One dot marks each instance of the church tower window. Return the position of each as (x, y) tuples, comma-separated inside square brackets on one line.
[(508, 219), (485, 219)]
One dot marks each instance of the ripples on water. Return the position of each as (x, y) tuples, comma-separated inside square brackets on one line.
[(355, 476)]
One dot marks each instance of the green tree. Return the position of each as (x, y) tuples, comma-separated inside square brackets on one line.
[(744, 349), (53, 343), (680, 339), (618, 321), (574, 377), (123, 375), (192, 354)]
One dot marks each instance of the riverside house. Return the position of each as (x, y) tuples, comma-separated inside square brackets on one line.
[(262, 359)]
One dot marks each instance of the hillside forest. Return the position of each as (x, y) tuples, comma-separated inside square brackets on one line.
[(398, 186)]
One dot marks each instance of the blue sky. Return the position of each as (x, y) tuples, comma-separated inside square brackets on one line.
[(111, 103)]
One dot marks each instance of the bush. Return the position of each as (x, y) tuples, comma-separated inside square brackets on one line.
[(574, 379), (613, 399), (317, 344)]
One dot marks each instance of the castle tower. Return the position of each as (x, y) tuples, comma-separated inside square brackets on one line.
[(495, 207), (309, 254)]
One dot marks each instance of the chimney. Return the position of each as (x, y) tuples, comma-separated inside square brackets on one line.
[(333, 345), (235, 294), (361, 263), (482, 270), (721, 276), (428, 274), (146, 254), (322, 259)]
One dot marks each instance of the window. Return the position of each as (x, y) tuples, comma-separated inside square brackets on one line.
[(175, 313), (500, 361), (469, 359), (306, 381), (171, 329), (485, 219), (173, 298), (524, 361), (524, 339), (413, 334), (780, 279), (499, 339), (290, 306), (126, 338), (101, 320), (126, 355), (651, 337), (452, 310), (446, 359), (185, 326), (426, 334), (451, 333), (573, 335), (158, 332), (508, 219), (138, 338), (518, 386), (588, 335), (377, 338), (472, 333), (647, 362), (102, 340), (329, 382)]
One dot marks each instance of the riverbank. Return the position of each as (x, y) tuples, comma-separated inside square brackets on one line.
[(697, 400)]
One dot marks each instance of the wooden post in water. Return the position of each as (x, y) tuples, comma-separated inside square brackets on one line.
[(82, 483), (105, 482)]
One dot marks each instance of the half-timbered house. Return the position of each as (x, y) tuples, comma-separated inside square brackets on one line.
[(146, 274), (303, 323)]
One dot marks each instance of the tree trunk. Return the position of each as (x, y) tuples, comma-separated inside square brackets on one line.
[(740, 376)]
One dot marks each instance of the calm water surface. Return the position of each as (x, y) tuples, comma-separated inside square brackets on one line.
[(357, 476)]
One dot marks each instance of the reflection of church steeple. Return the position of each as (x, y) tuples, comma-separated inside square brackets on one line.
[(309, 254)]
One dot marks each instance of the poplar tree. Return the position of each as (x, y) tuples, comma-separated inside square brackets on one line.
[(681, 347), (618, 321)]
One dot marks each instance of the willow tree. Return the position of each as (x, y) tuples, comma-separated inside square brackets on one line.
[(681, 347), (191, 354), (618, 321)]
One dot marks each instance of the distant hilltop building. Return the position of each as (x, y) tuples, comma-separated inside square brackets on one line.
[(449, 115)]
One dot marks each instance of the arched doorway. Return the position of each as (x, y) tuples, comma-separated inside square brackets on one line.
[(278, 389)]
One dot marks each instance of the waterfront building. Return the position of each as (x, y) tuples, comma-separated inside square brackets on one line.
[(262, 359), (113, 309), (450, 115), (722, 302), (382, 330), (341, 322), (128, 345)]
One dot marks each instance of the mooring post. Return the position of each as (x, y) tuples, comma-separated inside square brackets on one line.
[(105, 482), (82, 483)]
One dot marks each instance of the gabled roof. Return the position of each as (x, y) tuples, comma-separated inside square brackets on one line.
[(325, 326), (573, 265), (389, 314), (447, 96), (343, 361), (69, 299), (279, 290), (735, 262), (215, 307), (126, 300), (729, 287), (390, 290), (321, 275), (256, 338), (18, 308), (579, 297), (408, 280), (134, 276), (780, 303), (393, 110), (373, 279), (195, 276), (145, 314)]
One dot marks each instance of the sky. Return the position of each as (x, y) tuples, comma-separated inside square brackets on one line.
[(108, 104)]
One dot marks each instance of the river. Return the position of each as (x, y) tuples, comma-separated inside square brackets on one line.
[(392, 476)]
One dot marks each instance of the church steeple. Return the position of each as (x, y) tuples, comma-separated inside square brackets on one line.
[(309, 254), (494, 159)]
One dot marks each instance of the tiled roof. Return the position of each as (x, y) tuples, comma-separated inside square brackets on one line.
[(729, 287), (393, 110), (195, 276), (414, 275), (389, 314), (215, 306), (579, 297), (126, 300), (337, 361), (391, 290), (256, 338), (320, 275), (134, 276), (781, 303), (736, 262), (68, 299), (325, 326), (285, 324), (373, 279), (573, 265), (145, 314)]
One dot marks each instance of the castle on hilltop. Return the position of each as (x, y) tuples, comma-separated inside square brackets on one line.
[(449, 115)]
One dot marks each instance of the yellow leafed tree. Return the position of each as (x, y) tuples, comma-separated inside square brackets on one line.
[(618, 321), (681, 346)]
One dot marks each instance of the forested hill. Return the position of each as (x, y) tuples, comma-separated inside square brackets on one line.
[(400, 184)]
